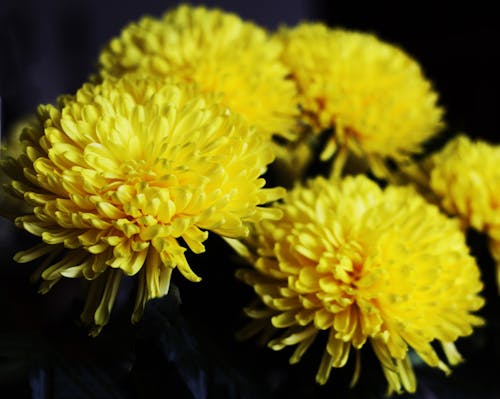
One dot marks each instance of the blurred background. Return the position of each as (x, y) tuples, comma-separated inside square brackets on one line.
[(50, 47)]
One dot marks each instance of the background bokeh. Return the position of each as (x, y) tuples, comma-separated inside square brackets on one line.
[(50, 47)]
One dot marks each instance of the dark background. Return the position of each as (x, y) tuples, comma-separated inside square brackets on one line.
[(50, 47)]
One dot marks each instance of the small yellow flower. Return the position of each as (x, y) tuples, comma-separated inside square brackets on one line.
[(358, 263), (218, 51), (465, 175), (126, 175), (371, 93), (12, 147)]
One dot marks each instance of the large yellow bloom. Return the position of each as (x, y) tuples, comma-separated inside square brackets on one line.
[(218, 51), (358, 263), (120, 173), (371, 93), (465, 175)]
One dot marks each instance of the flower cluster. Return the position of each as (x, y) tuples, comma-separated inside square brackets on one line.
[(172, 138), (219, 52), (465, 176), (123, 170), (363, 264), (371, 93)]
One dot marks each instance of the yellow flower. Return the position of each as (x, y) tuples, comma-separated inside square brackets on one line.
[(465, 175), (12, 147), (371, 93), (218, 51), (118, 174), (358, 263)]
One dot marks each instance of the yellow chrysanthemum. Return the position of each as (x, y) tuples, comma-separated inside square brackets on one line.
[(357, 263), (465, 175), (120, 173), (218, 51), (371, 93), (12, 147)]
